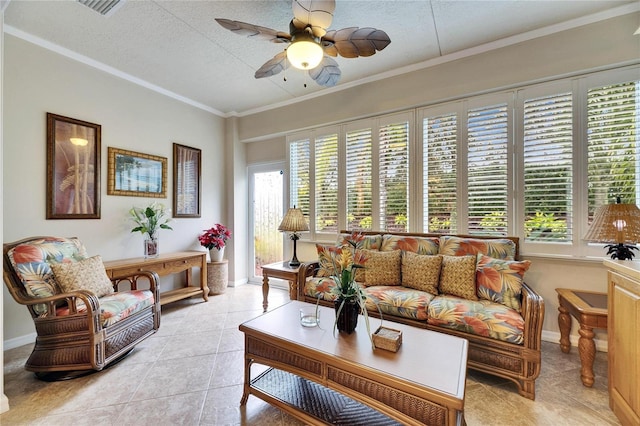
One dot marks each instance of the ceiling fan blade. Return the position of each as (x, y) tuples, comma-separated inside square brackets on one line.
[(327, 73), (353, 42), (254, 31), (317, 13), (273, 66)]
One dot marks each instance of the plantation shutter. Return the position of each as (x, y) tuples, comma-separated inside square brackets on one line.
[(326, 183), (299, 185), (439, 173), (487, 136), (358, 176), (548, 159), (394, 176), (613, 115)]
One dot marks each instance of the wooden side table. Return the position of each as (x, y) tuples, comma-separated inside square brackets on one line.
[(590, 309), (283, 271)]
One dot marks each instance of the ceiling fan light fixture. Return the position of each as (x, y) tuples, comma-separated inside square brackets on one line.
[(305, 53)]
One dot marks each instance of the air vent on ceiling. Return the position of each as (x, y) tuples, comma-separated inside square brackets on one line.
[(103, 7)]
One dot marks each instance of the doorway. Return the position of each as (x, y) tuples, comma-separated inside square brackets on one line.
[(266, 189)]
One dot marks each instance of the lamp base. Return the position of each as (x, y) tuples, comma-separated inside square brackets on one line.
[(294, 262), (621, 251)]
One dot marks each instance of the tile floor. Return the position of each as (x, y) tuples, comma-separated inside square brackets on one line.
[(191, 372)]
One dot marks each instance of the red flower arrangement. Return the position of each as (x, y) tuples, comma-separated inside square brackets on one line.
[(215, 237)]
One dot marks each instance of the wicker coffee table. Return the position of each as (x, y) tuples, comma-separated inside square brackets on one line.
[(322, 379)]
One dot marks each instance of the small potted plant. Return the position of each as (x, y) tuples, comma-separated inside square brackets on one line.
[(149, 221), (215, 239)]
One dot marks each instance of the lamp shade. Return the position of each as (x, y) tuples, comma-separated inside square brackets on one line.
[(293, 221), (615, 223)]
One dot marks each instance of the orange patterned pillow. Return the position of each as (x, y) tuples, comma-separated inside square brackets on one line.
[(383, 268), (421, 272), (420, 245), (500, 280), (458, 276), (498, 248), (331, 259)]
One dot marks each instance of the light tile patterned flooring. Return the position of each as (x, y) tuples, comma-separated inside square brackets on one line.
[(191, 373)]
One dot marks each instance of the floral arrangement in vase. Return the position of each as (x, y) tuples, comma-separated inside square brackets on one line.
[(214, 239), (351, 299), (149, 220)]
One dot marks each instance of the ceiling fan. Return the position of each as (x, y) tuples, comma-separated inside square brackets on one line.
[(310, 45)]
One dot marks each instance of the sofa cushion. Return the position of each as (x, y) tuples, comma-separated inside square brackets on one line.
[(482, 318), (500, 280), (31, 262), (382, 267), (369, 242), (87, 274), (398, 301), (458, 276), (421, 272), (117, 306), (420, 245), (331, 259), (498, 248)]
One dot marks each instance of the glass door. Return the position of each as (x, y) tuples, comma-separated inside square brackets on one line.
[(266, 202)]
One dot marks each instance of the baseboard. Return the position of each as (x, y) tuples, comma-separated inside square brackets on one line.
[(554, 337), (19, 341), (237, 283)]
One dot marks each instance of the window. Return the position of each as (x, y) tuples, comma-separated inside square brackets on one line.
[(533, 162), (548, 167), (613, 114), (359, 180), (439, 173)]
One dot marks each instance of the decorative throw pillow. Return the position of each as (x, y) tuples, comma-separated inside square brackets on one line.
[(325, 260), (87, 274), (383, 268), (420, 245), (458, 276), (498, 248), (500, 280), (369, 242), (421, 272)]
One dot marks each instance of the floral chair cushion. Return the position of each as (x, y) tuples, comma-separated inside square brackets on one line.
[(399, 301), (498, 248), (500, 280), (482, 318), (32, 260), (369, 242), (420, 245), (117, 306)]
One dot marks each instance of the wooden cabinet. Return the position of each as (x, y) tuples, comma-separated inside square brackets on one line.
[(167, 264), (624, 340)]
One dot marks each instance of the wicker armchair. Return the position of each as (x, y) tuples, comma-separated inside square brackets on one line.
[(77, 332)]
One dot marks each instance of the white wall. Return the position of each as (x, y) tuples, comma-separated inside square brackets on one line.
[(597, 46), (37, 81)]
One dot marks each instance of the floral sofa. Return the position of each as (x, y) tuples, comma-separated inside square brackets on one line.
[(467, 286)]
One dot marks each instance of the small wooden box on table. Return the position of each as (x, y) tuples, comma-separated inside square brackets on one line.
[(167, 264)]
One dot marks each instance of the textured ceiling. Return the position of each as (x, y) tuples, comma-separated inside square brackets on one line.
[(177, 47)]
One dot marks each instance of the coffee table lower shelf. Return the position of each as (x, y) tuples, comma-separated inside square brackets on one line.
[(312, 401)]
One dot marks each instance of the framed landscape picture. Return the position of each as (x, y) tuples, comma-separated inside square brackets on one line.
[(136, 174), (187, 162), (73, 168)]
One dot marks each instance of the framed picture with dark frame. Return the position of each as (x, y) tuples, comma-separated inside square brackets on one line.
[(135, 174), (73, 168), (187, 190)]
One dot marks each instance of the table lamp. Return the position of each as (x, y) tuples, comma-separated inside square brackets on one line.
[(618, 224), (294, 222)]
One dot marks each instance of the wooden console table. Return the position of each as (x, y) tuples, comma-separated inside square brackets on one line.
[(167, 264)]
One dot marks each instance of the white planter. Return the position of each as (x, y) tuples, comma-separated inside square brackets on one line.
[(216, 255)]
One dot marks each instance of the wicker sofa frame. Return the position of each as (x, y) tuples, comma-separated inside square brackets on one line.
[(518, 363), (70, 345)]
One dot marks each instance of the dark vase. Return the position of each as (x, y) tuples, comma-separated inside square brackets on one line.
[(347, 318)]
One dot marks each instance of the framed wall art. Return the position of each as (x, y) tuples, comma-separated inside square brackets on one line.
[(135, 174), (73, 168), (186, 181)]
